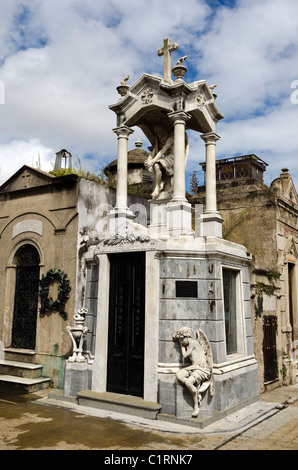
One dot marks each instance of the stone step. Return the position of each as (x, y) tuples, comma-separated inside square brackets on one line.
[(24, 384), (126, 404), (20, 355), (20, 369)]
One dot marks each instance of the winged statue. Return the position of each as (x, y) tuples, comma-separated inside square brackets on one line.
[(198, 377)]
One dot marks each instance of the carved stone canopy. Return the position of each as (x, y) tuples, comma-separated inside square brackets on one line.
[(150, 99)]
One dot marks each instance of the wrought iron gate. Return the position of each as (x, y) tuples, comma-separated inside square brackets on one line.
[(126, 324), (26, 298), (269, 348)]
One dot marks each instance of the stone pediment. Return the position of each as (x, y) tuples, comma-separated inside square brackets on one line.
[(150, 99), (25, 178), (285, 189), (290, 193)]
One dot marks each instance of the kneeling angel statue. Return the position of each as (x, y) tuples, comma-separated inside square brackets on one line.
[(197, 377)]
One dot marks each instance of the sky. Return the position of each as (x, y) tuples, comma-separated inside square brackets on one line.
[(61, 62)]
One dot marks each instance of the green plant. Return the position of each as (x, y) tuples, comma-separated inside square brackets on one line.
[(273, 275), (262, 288), (234, 224), (97, 176), (194, 183)]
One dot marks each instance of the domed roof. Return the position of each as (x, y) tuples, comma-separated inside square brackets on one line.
[(137, 156)]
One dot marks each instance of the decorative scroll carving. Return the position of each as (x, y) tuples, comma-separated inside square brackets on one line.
[(198, 377), (77, 334), (120, 242)]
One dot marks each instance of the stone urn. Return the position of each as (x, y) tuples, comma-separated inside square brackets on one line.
[(77, 334), (179, 71)]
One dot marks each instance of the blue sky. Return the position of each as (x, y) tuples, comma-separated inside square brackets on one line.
[(60, 64)]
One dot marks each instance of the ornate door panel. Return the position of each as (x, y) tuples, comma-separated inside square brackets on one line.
[(126, 324), (26, 298)]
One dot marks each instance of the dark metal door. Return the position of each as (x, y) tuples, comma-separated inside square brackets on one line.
[(269, 348), (26, 298), (126, 324)]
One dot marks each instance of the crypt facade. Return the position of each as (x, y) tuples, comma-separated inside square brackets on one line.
[(159, 318), (157, 280)]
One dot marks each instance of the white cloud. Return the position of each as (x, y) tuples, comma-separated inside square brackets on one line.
[(61, 63), (17, 153)]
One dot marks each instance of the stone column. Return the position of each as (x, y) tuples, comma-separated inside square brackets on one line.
[(119, 215), (178, 209), (210, 140), (123, 133), (179, 118), (212, 222)]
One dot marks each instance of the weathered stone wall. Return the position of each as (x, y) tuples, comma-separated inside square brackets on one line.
[(53, 232), (264, 220)]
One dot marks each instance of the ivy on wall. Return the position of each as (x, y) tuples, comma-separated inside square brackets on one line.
[(47, 303), (262, 288)]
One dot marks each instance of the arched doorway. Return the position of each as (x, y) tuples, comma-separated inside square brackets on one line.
[(26, 298)]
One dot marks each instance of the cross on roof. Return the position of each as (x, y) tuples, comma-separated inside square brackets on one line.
[(166, 52)]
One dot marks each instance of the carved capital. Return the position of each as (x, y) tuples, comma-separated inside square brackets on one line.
[(179, 117), (210, 138), (123, 132)]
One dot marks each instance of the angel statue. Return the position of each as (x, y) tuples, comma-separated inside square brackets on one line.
[(161, 162), (198, 377)]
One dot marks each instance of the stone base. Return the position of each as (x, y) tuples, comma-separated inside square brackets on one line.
[(211, 225), (77, 377), (234, 387), (115, 402), (118, 220), (176, 400), (201, 421), (179, 219), (170, 219)]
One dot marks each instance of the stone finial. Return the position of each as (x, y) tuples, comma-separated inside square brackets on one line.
[(182, 59), (212, 88), (138, 143), (180, 70), (123, 87)]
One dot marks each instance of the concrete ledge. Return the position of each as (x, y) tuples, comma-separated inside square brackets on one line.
[(58, 394), (204, 421), (126, 404)]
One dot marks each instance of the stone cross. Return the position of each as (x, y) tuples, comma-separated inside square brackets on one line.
[(166, 52)]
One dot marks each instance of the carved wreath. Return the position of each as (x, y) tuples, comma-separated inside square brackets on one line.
[(47, 303)]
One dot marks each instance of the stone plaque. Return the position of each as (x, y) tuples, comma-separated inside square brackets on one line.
[(30, 225), (187, 289)]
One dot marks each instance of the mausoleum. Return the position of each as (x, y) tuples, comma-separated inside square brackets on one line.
[(173, 331), (159, 320)]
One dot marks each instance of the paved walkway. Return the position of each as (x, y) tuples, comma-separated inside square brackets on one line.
[(35, 422)]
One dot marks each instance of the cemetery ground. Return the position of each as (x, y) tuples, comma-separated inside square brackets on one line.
[(34, 422)]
